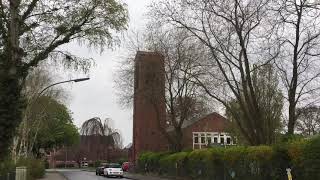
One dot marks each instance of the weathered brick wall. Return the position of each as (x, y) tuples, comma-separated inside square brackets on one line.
[(210, 123), (149, 104)]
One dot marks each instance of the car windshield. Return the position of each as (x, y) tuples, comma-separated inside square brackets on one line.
[(113, 166)]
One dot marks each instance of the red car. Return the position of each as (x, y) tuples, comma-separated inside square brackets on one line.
[(126, 166)]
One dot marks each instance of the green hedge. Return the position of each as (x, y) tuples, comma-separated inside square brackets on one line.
[(35, 167), (247, 163)]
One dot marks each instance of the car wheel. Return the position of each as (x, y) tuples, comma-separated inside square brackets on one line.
[(120, 177)]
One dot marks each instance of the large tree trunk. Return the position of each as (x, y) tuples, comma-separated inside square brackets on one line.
[(11, 107), (292, 116), (176, 145), (12, 75)]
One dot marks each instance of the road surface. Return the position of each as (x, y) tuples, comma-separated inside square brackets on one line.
[(76, 174)]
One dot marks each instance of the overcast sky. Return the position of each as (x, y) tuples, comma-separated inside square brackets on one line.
[(97, 97)]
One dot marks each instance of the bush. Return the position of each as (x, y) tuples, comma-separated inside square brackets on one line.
[(258, 162), (149, 162), (6, 166), (174, 164), (249, 163), (199, 163), (35, 167), (311, 159), (235, 161), (97, 163), (122, 160)]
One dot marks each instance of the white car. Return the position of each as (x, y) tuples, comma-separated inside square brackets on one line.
[(113, 169)]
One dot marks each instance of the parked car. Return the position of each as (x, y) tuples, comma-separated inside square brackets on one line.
[(99, 170), (113, 169), (84, 164), (126, 166)]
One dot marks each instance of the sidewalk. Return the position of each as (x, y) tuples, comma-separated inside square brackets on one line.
[(53, 176), (145, 177)]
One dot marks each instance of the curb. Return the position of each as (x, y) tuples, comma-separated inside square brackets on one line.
[(64, 176)]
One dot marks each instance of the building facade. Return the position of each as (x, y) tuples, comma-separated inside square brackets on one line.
[(149, 113), (89, 150), (149, 104)]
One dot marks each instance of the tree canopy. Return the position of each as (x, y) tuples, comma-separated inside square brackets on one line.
[(56, 128), (33, 31)]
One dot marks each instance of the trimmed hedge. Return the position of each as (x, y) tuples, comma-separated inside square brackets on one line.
[(35, 167), (239, 162)]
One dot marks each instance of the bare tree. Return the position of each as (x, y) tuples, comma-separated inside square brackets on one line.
[(34, 115), (236, 36), (297, 29), (308, 122), (183, 97), (270, 99), (184, 100)]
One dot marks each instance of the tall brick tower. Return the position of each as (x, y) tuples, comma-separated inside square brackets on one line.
[(149, 104)]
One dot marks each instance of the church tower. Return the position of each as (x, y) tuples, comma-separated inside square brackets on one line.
[(149, 104)]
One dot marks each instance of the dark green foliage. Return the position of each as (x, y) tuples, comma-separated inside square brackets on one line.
[(6, 166), (150, 161), (35, 167), (311, 159), (11, 107), (122, 160), (57, 128), (97, 163), (174, 164), (245, 163)]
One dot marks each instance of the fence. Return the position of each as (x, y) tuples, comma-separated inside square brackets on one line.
[(19, 174)]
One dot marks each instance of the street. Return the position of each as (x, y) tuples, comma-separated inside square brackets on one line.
[(76, 174)]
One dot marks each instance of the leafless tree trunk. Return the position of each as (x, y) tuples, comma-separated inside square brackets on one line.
[(298, 32), (235, 34), (183, 98)]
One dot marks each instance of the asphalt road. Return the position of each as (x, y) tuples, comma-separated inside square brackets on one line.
[(75, 174)]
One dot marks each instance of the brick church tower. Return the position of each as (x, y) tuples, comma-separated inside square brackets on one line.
[(149, 104)]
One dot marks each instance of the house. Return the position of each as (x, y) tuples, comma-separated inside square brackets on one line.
[(149, 113), (90, 150)]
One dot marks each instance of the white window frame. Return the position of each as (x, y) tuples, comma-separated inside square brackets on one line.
[(212, 135)]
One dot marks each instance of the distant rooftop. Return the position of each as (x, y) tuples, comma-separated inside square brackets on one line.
[(192, 121)]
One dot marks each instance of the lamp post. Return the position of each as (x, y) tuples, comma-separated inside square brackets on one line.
[(72, 80), (44, 89)]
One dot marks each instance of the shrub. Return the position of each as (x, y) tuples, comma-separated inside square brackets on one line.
[(249, 163), (235, 161), (311, 159), (258, 162), (217, 170), (199, 163), (149, 161), (6, 166), (97, 163), (295, 153), (35, 167), (122, 160), (174, 164)]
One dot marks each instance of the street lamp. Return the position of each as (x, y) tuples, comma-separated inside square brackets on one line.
[(72, 80), (44, 89)]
